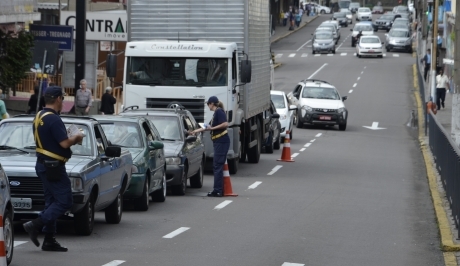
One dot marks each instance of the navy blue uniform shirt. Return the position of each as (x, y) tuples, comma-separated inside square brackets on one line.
[(219, 118), (51, 132)]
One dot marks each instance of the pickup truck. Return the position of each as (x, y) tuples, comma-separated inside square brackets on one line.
[(99, 173)]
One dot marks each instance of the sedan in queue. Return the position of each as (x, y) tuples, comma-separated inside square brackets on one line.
[(369, 46), (341, 18), (287, 112), (323, 41), (398, 39)]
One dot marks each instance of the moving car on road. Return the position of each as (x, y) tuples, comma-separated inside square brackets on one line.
[(348, 14), (363, 13), (319, 8), (398, 39), (319, 103), (369, 46), (364, 28), (341, 18), (385, 21), (334, 26), (286, 111), (323, 41), (354, 6)]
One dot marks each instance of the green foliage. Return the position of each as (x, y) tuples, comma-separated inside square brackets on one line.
[(15, 57)]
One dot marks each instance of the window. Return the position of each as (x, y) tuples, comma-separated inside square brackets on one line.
[(123, 134), (278, 101), (168, 126), (188, 124), (148, 132), (99, 141)]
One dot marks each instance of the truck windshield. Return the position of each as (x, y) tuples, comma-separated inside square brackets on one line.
[(175, 71)]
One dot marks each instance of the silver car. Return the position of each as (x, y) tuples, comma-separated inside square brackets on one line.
[(398, 39), (334, 28), (323, 41)]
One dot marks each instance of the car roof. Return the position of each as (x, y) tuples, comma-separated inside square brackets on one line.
[(277, 92), (105, 118), (369, 37), (65, 118), (316, 83), (399, 29), (162, 111)]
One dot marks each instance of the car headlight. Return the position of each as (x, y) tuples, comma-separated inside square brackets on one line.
[(76, 184), (283, 117), (307, 108), (173, 160), (388, 23)]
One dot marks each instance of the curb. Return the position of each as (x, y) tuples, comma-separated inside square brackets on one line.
[(447, 244), (291, 32)]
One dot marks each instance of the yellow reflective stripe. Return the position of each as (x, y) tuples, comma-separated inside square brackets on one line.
[(39, 149), (219, 135), (52, 155)]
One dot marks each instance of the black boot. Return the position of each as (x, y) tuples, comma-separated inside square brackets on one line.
[(33, 228), (50, 244)]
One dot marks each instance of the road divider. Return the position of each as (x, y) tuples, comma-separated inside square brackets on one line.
[(276, 168), (222, 205), (286, 153), (18, 243), (295, 155), (292, 264), (177, 232), (354, 85), (256, 184), (313, 140), (350, 91)]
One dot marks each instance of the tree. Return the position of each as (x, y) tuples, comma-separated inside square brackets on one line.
[(15, 57)]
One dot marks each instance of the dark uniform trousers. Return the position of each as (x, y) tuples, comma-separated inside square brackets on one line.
[(220, 155), (58, 197)]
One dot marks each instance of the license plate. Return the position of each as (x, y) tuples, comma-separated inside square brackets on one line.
[(22, 203), (324, 117), (371, 51)]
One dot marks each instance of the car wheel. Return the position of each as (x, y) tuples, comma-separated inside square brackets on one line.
[(343, 127), (352, 44), (359, 56), (160, 194), (196, 181), (269, 148), (313, 52), (333, 51), (84, 219), (290, 134), (299, 122), (277, 144), (233, 165), (323, 12), (388, 30), (380, 56), (410, 50), (114, 212), (182, 187), (8, 235), (142, 203)]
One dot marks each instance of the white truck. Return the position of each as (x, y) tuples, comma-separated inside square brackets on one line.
[(179, 53)]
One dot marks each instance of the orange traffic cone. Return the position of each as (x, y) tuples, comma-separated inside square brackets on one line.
[(286, 154), (2, 244), (228, 192)]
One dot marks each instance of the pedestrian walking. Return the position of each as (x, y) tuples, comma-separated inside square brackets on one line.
[(3, 113), (83, 99), (286, 17), (298, 18), (107, 102), (53, 151), (427, 60), (33, 100), (442, 82), (219, 136)]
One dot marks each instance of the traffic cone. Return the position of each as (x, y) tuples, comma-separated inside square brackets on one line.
[(286, 154), (2, 244), (228, 192)]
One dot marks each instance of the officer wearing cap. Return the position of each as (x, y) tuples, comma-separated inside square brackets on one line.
[(52, 151), (218, 127)]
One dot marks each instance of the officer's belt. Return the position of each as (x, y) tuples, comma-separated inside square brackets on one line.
[(39, 147), (213, 137)]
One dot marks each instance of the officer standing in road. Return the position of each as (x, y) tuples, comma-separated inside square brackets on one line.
[(52, 151), (221, 141)]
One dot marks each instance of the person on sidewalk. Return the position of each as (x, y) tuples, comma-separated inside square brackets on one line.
[(442, 82), (286, 17), (3, 112), (107, 102), (33, 101), (83, 99), (298, 19), (427, 60), (291, 20)]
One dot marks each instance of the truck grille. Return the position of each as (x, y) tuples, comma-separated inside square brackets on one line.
[(27, 185), (195, 106)]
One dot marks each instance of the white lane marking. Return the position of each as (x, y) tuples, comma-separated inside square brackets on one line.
[(343, 54), (354, 85), (303, 45), (307, 145), (276, 168), (295, 155), (292, 264), (330, 54), (359, 78), (319, 135), (384, 55), (304, 55), (316, 72), (365, 67), (350, 91), (343, 42), (317, 54), (291, 55), (278, 55), (176, 232), (302, 149), (362, 72), (114, 263), (395, 55), (354, 54), (313, 140), (17, 243), (256, 184), (223, 204)]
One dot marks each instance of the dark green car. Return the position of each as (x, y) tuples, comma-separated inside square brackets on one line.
[(141, 138)]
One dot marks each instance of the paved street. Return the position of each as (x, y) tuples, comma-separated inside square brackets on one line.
[(354, 197)]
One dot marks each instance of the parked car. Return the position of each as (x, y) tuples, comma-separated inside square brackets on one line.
[(369, 46), (185, 154), (364, 28), (363, 13), (7, 210), (354, 6), (318, 103), (348, 14), (286, 111), (323, 41), (141, 138), (398, 39), (377, 10), (99, 173), (274, 130), (319, 8), (385, 21), (341, 18)]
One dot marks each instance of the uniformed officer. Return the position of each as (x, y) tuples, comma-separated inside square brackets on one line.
[(53, 151), (221, 142)]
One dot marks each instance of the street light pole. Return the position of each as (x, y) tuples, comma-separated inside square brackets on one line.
[(455, 131), (434, 51)]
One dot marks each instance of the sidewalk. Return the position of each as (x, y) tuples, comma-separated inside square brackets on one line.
[(282, 32)]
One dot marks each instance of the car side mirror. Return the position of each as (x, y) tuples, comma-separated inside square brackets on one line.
[(292, 107), (275, 115), (113, 151), (344, 98), (190, 138), (156, 145)]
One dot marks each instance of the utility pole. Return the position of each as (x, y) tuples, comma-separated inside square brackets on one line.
[(434, 51), (80, 43), (455, 131)]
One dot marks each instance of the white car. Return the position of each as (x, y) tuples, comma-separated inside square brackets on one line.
[(364, 27), (319, 9), (369, 46), (318, 103), (287, 112), (364, 13), (349, 15)]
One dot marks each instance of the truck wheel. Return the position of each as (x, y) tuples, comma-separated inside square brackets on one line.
[(233, 165), (180, 189), (196, 181), (142, 203), (84, 219), (277, 144), (160, 195), (8, 234), (114, 212), (254, 152)]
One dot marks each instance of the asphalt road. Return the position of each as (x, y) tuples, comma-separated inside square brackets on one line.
[(357, 197)]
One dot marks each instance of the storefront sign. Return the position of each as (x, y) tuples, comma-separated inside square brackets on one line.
[(56, 34)]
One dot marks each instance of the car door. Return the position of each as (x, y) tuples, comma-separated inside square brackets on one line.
[(154, 156), (107, 177), (159, 154), (293, 99), (191, 147)]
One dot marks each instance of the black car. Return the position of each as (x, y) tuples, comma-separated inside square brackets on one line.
[(273, 129), (341, 18), (185, 154), (385, 21)]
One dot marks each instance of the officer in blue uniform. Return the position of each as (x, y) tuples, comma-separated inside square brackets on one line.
[(53, 151), (218, 127)]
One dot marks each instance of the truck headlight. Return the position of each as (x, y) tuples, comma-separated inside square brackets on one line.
[(173, 160), (76, 184)]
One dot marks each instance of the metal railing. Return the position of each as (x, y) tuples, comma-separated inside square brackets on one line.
[(447, 158)]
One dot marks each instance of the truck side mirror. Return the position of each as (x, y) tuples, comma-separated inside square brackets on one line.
[(246, 71)]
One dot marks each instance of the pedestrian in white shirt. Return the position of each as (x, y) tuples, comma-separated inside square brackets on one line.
[(442, 82)]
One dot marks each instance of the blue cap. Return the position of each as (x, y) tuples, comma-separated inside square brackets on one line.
[(53, 92), (213, 99)]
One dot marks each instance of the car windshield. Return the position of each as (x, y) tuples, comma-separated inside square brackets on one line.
[(320, 93), (339, 15), (399, 33), (400, 25), (20, 135), (123, 134), (323, 35), (168, 126), (364, 9), (363, 28), (278, 101), (176, 71), (330, 26), (370, 40)]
